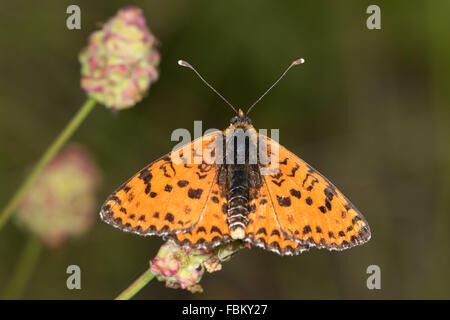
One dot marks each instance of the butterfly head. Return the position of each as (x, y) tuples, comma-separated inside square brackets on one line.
[(240, 120)]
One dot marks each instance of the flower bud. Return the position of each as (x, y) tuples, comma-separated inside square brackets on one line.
[(120, 62), (62, 203), (183, 267)]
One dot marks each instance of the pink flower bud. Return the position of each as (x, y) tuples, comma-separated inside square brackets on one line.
[(120, 62), (182, 267)]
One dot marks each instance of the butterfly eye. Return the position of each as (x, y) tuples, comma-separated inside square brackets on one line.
[(234, 120)]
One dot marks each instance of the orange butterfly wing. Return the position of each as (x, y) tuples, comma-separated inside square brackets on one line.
[(168, 196), (263, 229), (212, 229), (308, 208)]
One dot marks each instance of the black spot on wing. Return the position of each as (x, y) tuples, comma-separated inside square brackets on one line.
[(182, 183), (195, 193), (146, 176), (169, 217), (284, 201), (295, 193), (306, 229)]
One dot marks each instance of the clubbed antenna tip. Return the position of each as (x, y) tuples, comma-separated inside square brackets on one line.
[(294, 63), (298, 61), (188, 65), (184, 63)]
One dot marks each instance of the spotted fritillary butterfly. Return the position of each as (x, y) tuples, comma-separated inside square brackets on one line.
[(199, 204)]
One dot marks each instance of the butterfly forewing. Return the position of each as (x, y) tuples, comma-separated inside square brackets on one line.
[(309, 209), (168, 196)]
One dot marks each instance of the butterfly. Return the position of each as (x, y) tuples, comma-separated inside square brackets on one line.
[(202, 195)]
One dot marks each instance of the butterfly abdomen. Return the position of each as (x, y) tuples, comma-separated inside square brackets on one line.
[(238, 193)]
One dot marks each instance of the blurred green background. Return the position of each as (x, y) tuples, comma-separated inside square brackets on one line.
[(369, 109)]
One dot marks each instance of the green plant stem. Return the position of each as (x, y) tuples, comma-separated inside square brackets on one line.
[(136, 286), (23, 269), (45, 159)]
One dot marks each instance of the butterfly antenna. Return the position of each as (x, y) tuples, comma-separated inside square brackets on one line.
[(296, 62), (188, 65)]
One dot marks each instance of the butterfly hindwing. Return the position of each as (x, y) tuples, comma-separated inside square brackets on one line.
[(309, 209), (263, 229), (212, 229), (168, 196)]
